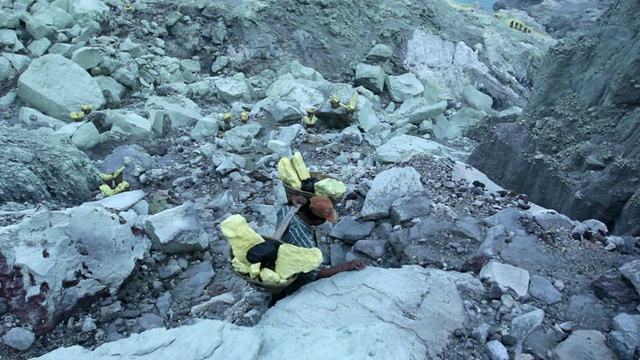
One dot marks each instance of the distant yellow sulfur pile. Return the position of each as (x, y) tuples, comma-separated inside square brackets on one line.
[(291, 259)]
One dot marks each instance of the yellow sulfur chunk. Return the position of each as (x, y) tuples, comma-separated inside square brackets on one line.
[(240, 236), (269, 276), (300, 166), (330, 187), (254, 270), (293, 259), (288, 173), (239, 266)]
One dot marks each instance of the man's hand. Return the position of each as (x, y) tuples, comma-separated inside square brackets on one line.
[(353, 265), (298, 200)]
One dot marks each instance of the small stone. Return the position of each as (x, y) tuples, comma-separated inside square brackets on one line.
[(19, 338), (509, 340), (559, 285), (610, 247), (497, 351), (566, 326), (89, 324)]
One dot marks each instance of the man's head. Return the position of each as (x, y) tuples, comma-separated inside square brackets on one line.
[(321, 206)]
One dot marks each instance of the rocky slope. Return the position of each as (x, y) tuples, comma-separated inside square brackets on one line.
[(198, 100), (576, 146)]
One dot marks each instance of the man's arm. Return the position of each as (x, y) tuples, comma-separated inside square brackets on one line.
[(348, 266)]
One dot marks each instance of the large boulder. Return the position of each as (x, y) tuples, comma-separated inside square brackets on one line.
[(404, 313), (67, 256), (36, 167), (57, 93)]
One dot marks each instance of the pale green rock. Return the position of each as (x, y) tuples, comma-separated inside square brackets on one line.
[(8, 37), (233, 89), (370, 76), (39, 47), (36, 28), (476, 99), (403, 87), (180, 110), (205, 127), (111, 89), (57, 93), (86, 136), (87, 57), (380, 52)]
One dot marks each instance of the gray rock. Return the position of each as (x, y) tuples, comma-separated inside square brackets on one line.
[(370, 76), (552, 221), (410, 207), (386, 188), (59, 173), (526, 252), (586, 310), (417, 110), (404, 146), (86, 137), (542, 289), (56, 93), (349, 230), (219, 340), (221, 202), (624, 340), (36, 28), (443, 305), (584, 345), (374, 249), (193, 281), (338, 252), (150, 321), (169, 271), (281, 148), (133, 157), (19, 338), (380, 52), (205, 127), (33, 117), (497, 351), (219, 64), (123, 201), (631, 271), (480, 333), (163, 303), (112, 90), (180, 110), (233, 89), (282, 111), (89, 324), (294, 92), (87, 57), (523, 325), (476, 99), (469, 228), (85, 243), (7, 71), (240, 138), (506, 276), (227, 162), (367, 118), (403, 87), (177, 230)]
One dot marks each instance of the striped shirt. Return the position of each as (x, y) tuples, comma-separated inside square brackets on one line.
[(301, 234)]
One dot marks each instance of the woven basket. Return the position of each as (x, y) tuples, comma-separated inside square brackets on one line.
[(272, 288), (297, 192)]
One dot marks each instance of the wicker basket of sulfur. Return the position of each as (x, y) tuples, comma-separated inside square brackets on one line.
[(264, 261)]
